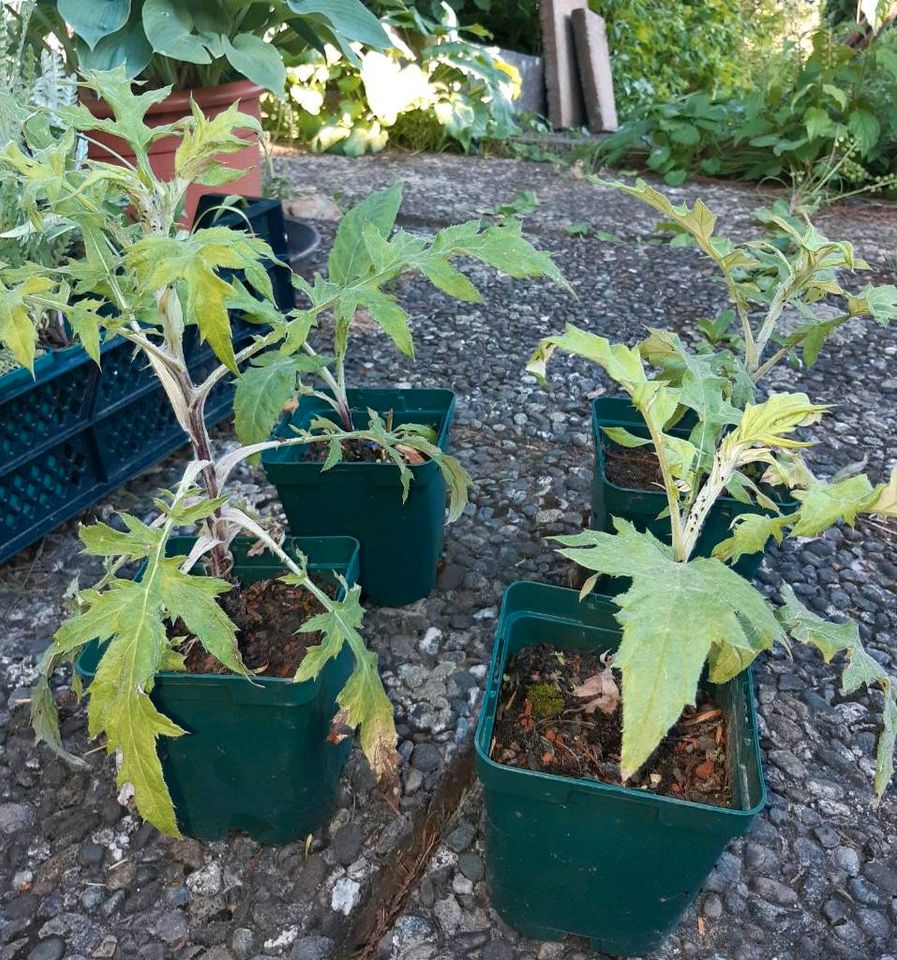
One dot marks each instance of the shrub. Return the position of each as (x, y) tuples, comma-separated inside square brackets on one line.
[(433, 88)]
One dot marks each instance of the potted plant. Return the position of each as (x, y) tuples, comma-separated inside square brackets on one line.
[(344, 480), (618, 744), (170, 663), (760, 279), (209, 55)]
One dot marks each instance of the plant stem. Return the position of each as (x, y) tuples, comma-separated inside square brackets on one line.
[(720, 475), (669, 485)]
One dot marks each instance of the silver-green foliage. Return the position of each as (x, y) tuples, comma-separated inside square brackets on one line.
[(680, 612), (148, 281)]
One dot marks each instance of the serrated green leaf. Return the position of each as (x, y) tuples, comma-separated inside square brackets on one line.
[(451, 281), (768, 424), (349, 257), (750, 533), (18, 332), (135, 543), (861, 670), (264, 388), (885, 504), (824, 504), (673, 617)]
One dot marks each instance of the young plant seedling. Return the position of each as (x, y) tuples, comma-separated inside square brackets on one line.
[(366, 256), (682, 613), (762, 281), (150, 281)]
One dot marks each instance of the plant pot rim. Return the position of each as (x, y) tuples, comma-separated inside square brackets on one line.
[(486, 723), (178, 101), (304, 689), (785, 503), (282, 430)]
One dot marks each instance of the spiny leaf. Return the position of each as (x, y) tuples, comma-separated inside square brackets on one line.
[(203, 140), (862, 669), (18, 332), (137, 542), (750, 533), (674, 616), (264, 388), (349, 258), (362, 698), (768, 424), (824, 504), (886, 503)]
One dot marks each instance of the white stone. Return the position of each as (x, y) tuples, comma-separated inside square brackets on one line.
[(205, 882), (429, 644), (345, 897)]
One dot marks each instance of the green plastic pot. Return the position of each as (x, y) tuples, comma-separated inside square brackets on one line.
[(401, 542), (256, 756), (576, 856), (642, 507)]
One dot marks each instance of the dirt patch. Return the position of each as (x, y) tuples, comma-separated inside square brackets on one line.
[(558, 714), (633, 468), (268, 614)]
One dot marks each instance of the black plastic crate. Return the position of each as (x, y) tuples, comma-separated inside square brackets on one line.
[(75, 432)]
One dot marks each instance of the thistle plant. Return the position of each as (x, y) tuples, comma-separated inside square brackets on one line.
[(682, 613), (762, 281), (149, 281)]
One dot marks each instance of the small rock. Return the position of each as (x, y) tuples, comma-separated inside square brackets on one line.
[(846, 859), (498, 950), (347, 843), (345, 896), (91, 855), (775, 892), (881, 876), (313, 947), (53, 948), (429, 643), (461, 836), (205, 882), (426, 757), (171, 926), (106, 950), (15, 817), (471, 865), (461, 885), (242, 943), (712, 908)]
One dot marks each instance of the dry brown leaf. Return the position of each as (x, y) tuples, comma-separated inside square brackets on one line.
[(704, 771), (601, 691), (411, 455)]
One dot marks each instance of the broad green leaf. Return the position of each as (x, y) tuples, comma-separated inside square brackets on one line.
[(127, 49), (196, 159), (866, 129), (879, 302), (169, 28), (94, 19), (349, 258), (258, 60), (824, 504), (621, 363), (750, 533), (674, 616), (86, 325), (345, 20), (18, 331), (451, 281), (264, 388), (389, 316)]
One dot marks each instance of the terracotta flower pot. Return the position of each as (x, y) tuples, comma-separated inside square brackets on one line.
[(212, 101)]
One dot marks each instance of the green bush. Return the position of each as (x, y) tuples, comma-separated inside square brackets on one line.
[(817, 117), (662, 50), (433, 89)]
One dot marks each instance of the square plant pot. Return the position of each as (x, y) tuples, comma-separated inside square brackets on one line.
[(578, 856), (642, 507), (255, 756), (401, 542)]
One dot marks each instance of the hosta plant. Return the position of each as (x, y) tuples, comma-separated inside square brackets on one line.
[(763, 283), (681, 613), (153, 283)]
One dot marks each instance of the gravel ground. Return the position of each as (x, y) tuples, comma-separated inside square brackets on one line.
[(817, 877)]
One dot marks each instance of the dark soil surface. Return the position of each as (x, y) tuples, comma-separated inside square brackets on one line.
[(633, 468), (545, 723), (363, 451), (270, 612)]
